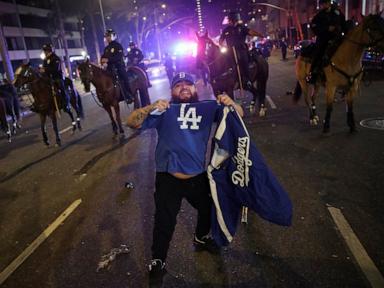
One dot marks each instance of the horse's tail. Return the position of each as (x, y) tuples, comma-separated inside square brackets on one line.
[(297, 93), (80, 105)]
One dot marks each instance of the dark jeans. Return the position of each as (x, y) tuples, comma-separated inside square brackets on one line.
[(121, 73), (61, 91), (169, 194)]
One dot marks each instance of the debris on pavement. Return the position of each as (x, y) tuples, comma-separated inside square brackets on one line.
[(111, 256)]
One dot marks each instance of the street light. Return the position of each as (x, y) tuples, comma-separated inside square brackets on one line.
[(163, 6)]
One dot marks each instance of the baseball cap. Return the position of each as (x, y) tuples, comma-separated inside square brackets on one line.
[(182, 76)]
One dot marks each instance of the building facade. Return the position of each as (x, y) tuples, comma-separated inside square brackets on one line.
[(29, 24)]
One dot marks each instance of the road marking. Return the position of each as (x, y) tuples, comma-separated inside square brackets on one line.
[(362, 258), (36, 243), (269, 99), (65, 130)]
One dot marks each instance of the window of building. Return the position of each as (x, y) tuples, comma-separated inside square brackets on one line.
[(35, 43), (45, 4), (74, 43), (70, 26), (14, 43), (32, 21), (9, 20)]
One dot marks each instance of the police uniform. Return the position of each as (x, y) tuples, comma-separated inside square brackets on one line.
[(135, 56), (52, 68), (114, 52), (235, 36), (320, 27)]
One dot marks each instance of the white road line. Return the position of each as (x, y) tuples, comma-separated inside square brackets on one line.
[(65, 130), (36, 243), (269, 99), (362, 258)]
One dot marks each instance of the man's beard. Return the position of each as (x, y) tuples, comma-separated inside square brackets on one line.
[(192, 99)]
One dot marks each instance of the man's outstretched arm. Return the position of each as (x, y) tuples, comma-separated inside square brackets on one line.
[(138, 116)]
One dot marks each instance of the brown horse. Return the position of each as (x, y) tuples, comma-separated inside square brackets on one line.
[(44, 103), (223, 75), (343, 72), (109, 94)]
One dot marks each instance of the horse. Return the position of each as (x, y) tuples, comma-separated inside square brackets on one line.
[(9, 106), (109, 94), (4, 125), (223, 72), (44, 104), (344, 70)]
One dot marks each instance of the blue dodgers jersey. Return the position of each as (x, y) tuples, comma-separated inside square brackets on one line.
[(239, 177), (183, 134)]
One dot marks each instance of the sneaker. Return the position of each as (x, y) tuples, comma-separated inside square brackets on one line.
[(156, 272), (206, 244)]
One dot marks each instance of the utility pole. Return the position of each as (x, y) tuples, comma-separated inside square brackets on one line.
[(62, 36), (157, 33), (94, 34), (102, 15), (21, 30), (346, 9), (5, 56)]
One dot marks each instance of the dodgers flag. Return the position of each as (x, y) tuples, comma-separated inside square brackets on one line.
[(239, 177)]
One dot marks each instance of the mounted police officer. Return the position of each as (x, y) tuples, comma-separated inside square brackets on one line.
[(235, 35), (52, 69), (113, 57), (135, 57), (328, 26)]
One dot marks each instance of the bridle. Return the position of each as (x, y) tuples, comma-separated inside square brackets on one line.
[(372, 41)]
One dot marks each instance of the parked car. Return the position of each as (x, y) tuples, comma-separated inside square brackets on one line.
[(155, 69), (373, 59), (300, 45)]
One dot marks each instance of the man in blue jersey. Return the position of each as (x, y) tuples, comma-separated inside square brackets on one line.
[(183, 124)]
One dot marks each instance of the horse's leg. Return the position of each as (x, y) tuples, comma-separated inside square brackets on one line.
[(69, 112), (75, 102), (350, 117), (43, 118), (313, 117), (56, 129), (329, 94), (118, 118), (109, 110), (261, 92)]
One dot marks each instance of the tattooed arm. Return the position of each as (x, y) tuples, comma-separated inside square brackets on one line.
[(138, 116)]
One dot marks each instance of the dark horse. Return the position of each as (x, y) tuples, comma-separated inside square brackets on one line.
[(109, 94), (9, 105), (223, 72), (44, 102)]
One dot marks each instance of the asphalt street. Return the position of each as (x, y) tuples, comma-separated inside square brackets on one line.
[(329, 179)]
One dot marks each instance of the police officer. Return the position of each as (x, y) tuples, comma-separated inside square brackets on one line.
[(113, 57), (135, 58), (168, 64), (52, 68), (328, 25), (235, 35)]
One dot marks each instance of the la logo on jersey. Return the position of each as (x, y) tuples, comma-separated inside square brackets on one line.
[(190, 116)]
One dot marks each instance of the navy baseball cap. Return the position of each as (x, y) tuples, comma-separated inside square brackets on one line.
[(182, 76)]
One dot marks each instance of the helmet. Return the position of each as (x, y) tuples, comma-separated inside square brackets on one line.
[(110, 32), (324, 1), (47, 47), (132, 44), (234, 16)]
